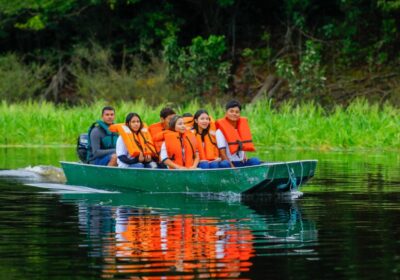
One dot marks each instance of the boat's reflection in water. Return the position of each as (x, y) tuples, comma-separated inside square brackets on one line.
[(176, 236)]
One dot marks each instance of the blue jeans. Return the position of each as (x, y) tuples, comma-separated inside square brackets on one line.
[(224, 164), (214, 164), (249, 162), (104, 160), (136, 165)]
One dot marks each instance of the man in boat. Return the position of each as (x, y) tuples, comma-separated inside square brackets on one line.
[(158, 129), (234, 137), (102, 141)]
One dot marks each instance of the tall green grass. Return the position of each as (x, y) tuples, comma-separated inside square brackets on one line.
[(360, 125)]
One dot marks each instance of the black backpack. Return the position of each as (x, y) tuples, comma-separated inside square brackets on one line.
[(82, 147)]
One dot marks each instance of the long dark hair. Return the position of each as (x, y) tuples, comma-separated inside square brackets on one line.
[(129, 118), (196, 125), (173, 121)]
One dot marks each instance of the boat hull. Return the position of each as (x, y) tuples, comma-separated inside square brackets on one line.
[(265, 178)]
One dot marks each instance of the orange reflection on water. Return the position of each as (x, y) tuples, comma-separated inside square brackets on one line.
[(178, 247)]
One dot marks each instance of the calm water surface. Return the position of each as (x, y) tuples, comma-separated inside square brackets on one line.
[(345, 226)]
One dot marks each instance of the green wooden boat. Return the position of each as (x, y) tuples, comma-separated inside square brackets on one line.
[(272, 177)]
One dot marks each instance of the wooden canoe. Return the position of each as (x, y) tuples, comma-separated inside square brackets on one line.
[(272, 177)]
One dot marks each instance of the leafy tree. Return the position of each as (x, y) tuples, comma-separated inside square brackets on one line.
[(309, 78), (199, 67)]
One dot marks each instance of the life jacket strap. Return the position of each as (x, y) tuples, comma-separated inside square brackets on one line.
[(240, 145)]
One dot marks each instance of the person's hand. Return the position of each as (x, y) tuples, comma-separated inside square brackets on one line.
[(141, 157), (147, 158)]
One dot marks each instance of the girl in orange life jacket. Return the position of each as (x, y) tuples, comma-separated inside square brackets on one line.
[(234, 137), (179, 149), (205, 137), (144, 157)]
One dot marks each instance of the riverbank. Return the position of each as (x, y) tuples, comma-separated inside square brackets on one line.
[(306, 126)]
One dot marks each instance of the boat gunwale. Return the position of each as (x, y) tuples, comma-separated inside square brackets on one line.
[(265, 164)]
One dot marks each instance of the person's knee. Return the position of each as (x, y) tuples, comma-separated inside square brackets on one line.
[(214, 164), (253, 161), (203, 165), (113, 160), (224, 164)]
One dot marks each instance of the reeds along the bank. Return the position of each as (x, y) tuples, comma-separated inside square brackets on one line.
[(360, 125)]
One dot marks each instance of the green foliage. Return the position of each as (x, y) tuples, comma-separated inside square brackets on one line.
[(296, 12), (389, 5), (98, 79), (200, 66), (154, 26), (305, 125), (262, 55), (309, 78), (355, 33), (36, 15), (225, 3), (19, 81)]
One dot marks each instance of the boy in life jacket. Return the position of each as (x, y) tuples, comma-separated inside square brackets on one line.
[(234, 137), (134, 145), (179, 149), (158, 129), (102, 141), (204, 130)]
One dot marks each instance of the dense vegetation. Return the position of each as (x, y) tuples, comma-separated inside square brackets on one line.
[(308, 125), (75, 52)]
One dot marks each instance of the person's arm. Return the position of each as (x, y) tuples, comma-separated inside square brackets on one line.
[(95, 140), (147, 158), (222, 153), (196, 161), (164, 158), (122, 152), (172, 164), (125, 159), (222, 144)]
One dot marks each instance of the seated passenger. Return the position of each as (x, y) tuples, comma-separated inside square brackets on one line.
[(101, 141), (134, 145), (188, 120), (204, 130), (179, 149), (157, 129), (234, 137)]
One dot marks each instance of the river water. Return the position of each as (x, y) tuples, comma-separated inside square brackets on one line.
[(346, 225)]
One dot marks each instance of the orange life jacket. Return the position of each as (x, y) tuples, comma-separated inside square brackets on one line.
[(177, 144), (157, 134), (188, 121), (208, 149), (238, 139), (135, 142)]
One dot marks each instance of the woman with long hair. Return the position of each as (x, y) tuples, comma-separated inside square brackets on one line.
[(134, 145), (179, 149), (204, 131)]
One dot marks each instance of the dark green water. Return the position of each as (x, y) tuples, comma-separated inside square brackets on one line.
[(345, 226)]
